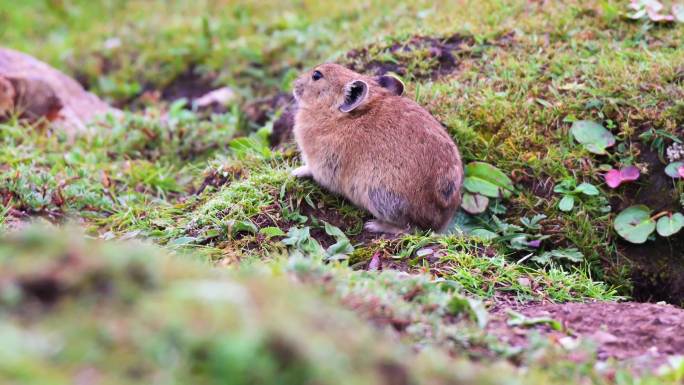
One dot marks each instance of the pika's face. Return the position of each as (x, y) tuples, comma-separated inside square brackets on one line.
[(331, 86)]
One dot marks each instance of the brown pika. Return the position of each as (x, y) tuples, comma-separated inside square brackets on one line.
[(360, 138)]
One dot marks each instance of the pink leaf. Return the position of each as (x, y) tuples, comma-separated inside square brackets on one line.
[(613, 178), (681, 171), (535, 244), (629, 173)]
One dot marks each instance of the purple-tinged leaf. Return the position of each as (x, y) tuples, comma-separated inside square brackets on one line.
[(535, 244), (374, 264), (629, 173)]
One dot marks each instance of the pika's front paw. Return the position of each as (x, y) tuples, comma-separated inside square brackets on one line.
[(385, 227), (302, 172)]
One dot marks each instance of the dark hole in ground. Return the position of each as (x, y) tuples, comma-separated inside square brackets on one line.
[(44, 289), (393, 373), (260, 111), (189, 85), (657, 269)]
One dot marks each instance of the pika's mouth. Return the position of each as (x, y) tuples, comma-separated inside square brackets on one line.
[(297, 91)]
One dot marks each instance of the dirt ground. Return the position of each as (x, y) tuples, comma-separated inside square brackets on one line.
[(642, 334)]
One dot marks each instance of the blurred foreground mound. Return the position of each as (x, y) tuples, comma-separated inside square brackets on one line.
[(87, 312), (35, 91)]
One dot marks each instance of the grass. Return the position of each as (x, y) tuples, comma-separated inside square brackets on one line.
[(238, 320), (211, 188), (233, 327)]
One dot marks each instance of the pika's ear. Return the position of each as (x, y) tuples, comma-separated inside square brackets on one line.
[(392, 83), (355, 93)]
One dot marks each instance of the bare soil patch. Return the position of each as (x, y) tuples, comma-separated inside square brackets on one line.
[(644, 334), (441, 53), (190, 85), (439, 57), (260, 111)]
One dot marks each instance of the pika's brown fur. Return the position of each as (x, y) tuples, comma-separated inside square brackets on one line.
[(360, 138)]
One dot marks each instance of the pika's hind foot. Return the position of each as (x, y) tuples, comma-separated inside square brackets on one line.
[(302, 172), (385, 227)]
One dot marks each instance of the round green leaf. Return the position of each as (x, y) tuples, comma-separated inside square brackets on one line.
[(272, 232), (485, 179), (474, 203), (484, 234), (672, 169), (670, 224), (634, 224), (593, 136), (587, 189), (567, 203)]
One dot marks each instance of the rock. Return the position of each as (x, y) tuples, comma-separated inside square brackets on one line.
[(219, 98), (34, 90), (7, 97), (603, 337)]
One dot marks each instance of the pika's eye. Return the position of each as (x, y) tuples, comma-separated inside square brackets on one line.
[(316, 75)]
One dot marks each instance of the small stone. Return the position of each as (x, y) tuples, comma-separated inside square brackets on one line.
[(603, 337), (221, 97)]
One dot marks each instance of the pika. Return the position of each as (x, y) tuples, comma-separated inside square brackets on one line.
[(360, 138)]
